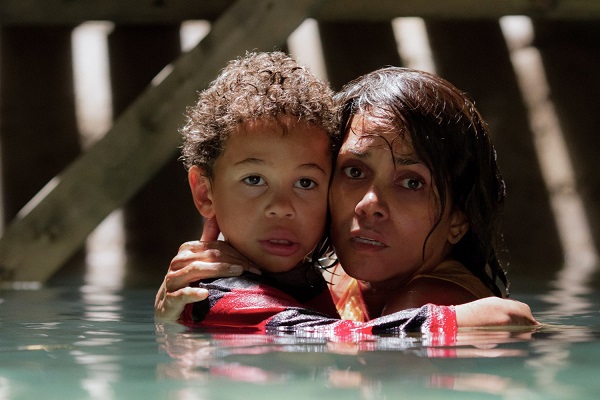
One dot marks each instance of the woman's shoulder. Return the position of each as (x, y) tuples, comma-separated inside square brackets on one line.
[(450, 283), (455, 273)]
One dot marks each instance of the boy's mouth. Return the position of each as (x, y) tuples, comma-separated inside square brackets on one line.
[(280, 241), (280, 247)]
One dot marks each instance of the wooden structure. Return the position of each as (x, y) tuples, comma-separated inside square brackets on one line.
[(469, 51)]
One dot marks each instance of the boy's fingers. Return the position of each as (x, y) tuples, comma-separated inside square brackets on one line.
[(203, 270), (198, 270), (210, 230), (191, 295), (171, 305)]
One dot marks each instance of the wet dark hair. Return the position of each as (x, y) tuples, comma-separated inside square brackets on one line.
[(451, 138), (256, 86)]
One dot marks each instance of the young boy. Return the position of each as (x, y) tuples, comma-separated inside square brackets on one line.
[(258, 146)]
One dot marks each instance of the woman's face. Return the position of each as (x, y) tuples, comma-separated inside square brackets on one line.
[(383, 207)]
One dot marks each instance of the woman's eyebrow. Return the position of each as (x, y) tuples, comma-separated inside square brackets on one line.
[(401, 160), (360, 153)]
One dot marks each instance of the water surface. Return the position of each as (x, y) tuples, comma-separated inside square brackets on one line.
[(90, 343)]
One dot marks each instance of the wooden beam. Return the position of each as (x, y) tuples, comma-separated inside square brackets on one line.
[(365, 10), (104, 178), (44, 12)]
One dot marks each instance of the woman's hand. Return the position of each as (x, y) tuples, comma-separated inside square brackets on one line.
[(494, 311), (197, 260)]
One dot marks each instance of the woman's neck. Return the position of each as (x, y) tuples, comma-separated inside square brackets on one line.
[(375, 299)]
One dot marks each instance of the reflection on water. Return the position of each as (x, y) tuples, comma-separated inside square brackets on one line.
[(363, 366), (101, 344), (513, 364)]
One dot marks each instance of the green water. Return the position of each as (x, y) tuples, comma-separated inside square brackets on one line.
[(71, 343)]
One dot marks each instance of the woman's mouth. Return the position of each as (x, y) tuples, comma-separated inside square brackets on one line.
[(367, 241)]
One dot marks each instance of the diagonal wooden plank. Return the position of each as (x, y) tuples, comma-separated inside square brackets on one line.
[(37, 243)]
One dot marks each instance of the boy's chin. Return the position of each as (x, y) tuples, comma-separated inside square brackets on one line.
[(282, 268)]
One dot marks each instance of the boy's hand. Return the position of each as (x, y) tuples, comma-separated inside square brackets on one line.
[(197, 260)]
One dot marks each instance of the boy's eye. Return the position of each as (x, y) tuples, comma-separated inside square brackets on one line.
[(411, 183), (353, 172), (305, 183), (254, 180)]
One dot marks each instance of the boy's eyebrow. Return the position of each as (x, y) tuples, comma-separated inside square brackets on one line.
[(250, 160), (253, 160), (313, 166)]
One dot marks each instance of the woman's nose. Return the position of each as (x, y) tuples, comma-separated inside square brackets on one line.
[(371, 205)]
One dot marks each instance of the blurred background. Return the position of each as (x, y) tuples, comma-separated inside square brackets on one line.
[(68, 72)]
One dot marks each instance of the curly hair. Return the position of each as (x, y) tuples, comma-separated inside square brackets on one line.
[(451, 138), (259, 85)]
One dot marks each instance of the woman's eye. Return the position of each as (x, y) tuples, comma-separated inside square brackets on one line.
[(411, 183), (353, 172), (305, 183), (254, 180)]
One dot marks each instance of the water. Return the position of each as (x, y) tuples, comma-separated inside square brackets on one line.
[(72, 343)]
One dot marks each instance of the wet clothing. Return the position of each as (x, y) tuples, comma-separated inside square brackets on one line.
[(347, 293), (253, 303)]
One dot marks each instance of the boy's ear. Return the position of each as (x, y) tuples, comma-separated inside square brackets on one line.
[(200, 185), (459, 225)]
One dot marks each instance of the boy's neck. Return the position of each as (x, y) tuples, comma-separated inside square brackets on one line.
[(303, 282), (302, 275)]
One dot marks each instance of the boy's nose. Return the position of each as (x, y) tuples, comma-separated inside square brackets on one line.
[(371, 205), (280, 206)]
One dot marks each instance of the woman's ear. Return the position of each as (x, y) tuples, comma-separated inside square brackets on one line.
[(200, 184), (459, 225)]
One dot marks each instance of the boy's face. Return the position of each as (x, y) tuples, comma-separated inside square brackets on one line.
[(269, 191), (383, 209)]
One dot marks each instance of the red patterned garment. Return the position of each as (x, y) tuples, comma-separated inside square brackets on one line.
[(252, 303)]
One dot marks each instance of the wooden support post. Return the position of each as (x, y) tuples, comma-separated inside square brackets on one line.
[(37, 111), (38, 127), (161, 215), (352, 49), (140, 142), (571, 54), (474, 57)]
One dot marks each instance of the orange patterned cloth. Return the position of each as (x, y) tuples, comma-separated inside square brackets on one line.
[(346, 295)]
